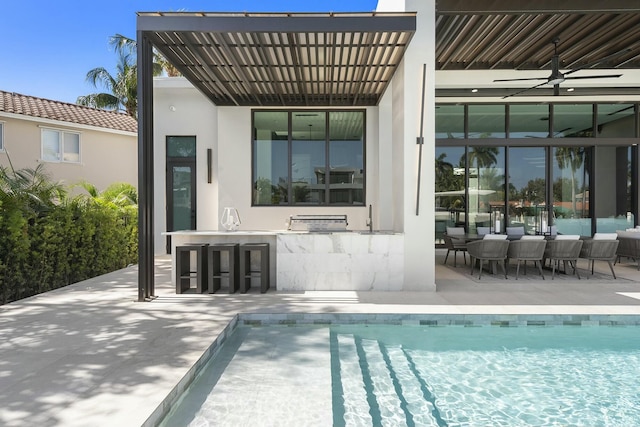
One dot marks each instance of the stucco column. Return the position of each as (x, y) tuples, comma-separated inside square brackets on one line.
[(406, 100)]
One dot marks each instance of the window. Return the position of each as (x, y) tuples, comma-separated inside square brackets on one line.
[(1, 136), (308, 157), (60, 146)]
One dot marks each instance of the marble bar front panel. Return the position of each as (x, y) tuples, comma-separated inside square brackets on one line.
[(340, 261)]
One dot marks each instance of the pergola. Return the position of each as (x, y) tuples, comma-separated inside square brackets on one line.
[(348, 59), (262, 59)]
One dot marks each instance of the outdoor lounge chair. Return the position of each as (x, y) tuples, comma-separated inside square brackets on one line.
[(600, 250), (527, 250), (455, 244), (492, 250), (629, 246), (567, 251)]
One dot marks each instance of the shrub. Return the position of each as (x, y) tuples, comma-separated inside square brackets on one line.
[(50, 240)]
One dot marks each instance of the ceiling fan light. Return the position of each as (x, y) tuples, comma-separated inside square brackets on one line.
[(556, 81)]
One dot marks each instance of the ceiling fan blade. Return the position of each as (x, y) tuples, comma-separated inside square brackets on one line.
[(591, 64), (609, 76), (518, 80), (525, 90)]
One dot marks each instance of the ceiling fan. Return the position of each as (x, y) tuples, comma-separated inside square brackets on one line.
[(557, 77)]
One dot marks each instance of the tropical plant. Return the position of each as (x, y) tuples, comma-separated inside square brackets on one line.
[(30, 189), (121, 89)]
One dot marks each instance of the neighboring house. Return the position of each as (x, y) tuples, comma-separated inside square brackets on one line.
[(76, 143), (289, 114)]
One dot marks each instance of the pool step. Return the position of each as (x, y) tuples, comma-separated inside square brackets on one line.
[(381, 386)]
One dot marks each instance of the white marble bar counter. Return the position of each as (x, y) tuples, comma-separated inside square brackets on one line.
[(301, 260)]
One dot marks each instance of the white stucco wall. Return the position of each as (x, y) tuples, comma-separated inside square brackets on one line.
[(181, 110), (405, 100)]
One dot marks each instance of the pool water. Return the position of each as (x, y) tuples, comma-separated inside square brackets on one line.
[(383, 375)]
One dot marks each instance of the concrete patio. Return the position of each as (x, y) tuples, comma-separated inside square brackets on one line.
[(88, 355)]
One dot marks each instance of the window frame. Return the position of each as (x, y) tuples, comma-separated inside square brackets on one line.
[(61, 148), (290, 111)]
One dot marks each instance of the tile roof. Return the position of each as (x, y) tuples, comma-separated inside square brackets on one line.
[(16, 103)]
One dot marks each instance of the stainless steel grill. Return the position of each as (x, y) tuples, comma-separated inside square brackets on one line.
[(318, 223)]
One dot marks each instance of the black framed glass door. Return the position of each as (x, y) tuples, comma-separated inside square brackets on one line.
[(181, 185)]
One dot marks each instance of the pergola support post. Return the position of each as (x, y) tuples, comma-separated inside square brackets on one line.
[(146, 285)]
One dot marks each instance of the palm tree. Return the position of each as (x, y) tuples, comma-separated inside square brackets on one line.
[(122, 88), (483, 156), (160, 63)]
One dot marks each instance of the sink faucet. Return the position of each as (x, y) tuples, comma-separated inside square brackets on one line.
[(370, 220)]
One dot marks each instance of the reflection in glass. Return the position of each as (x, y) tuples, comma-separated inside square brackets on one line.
[(571, 190), (270, 154), (50, 145), (616, 121), (486, 185), (181, 146), (71, 152), (449, 189), (528, 121), (449, 121), (527, 189), (612, 189), (572, 120), (487, 121), (346, 157), (308, 157), (181, 197)]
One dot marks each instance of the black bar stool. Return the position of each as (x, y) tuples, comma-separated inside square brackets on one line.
[(215, 266), (184, 273), (245, 266)]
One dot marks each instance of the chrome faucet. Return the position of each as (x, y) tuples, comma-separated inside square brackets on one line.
[(370, 220)]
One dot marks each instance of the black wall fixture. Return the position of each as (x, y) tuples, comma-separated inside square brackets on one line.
[(209, 165)]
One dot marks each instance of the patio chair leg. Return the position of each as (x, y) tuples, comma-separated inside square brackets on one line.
[(504, 268), (553, 269), (481, 265), (539, 268), (455, 258), (611, 267), (575, 268), (518, 269), (446, 256), (464, 255)]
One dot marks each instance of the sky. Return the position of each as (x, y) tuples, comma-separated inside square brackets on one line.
[(49, 46)]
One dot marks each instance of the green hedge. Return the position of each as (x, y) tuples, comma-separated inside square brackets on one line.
[(47, 244)]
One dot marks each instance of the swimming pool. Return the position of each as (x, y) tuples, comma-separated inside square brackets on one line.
[(468, 373)]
